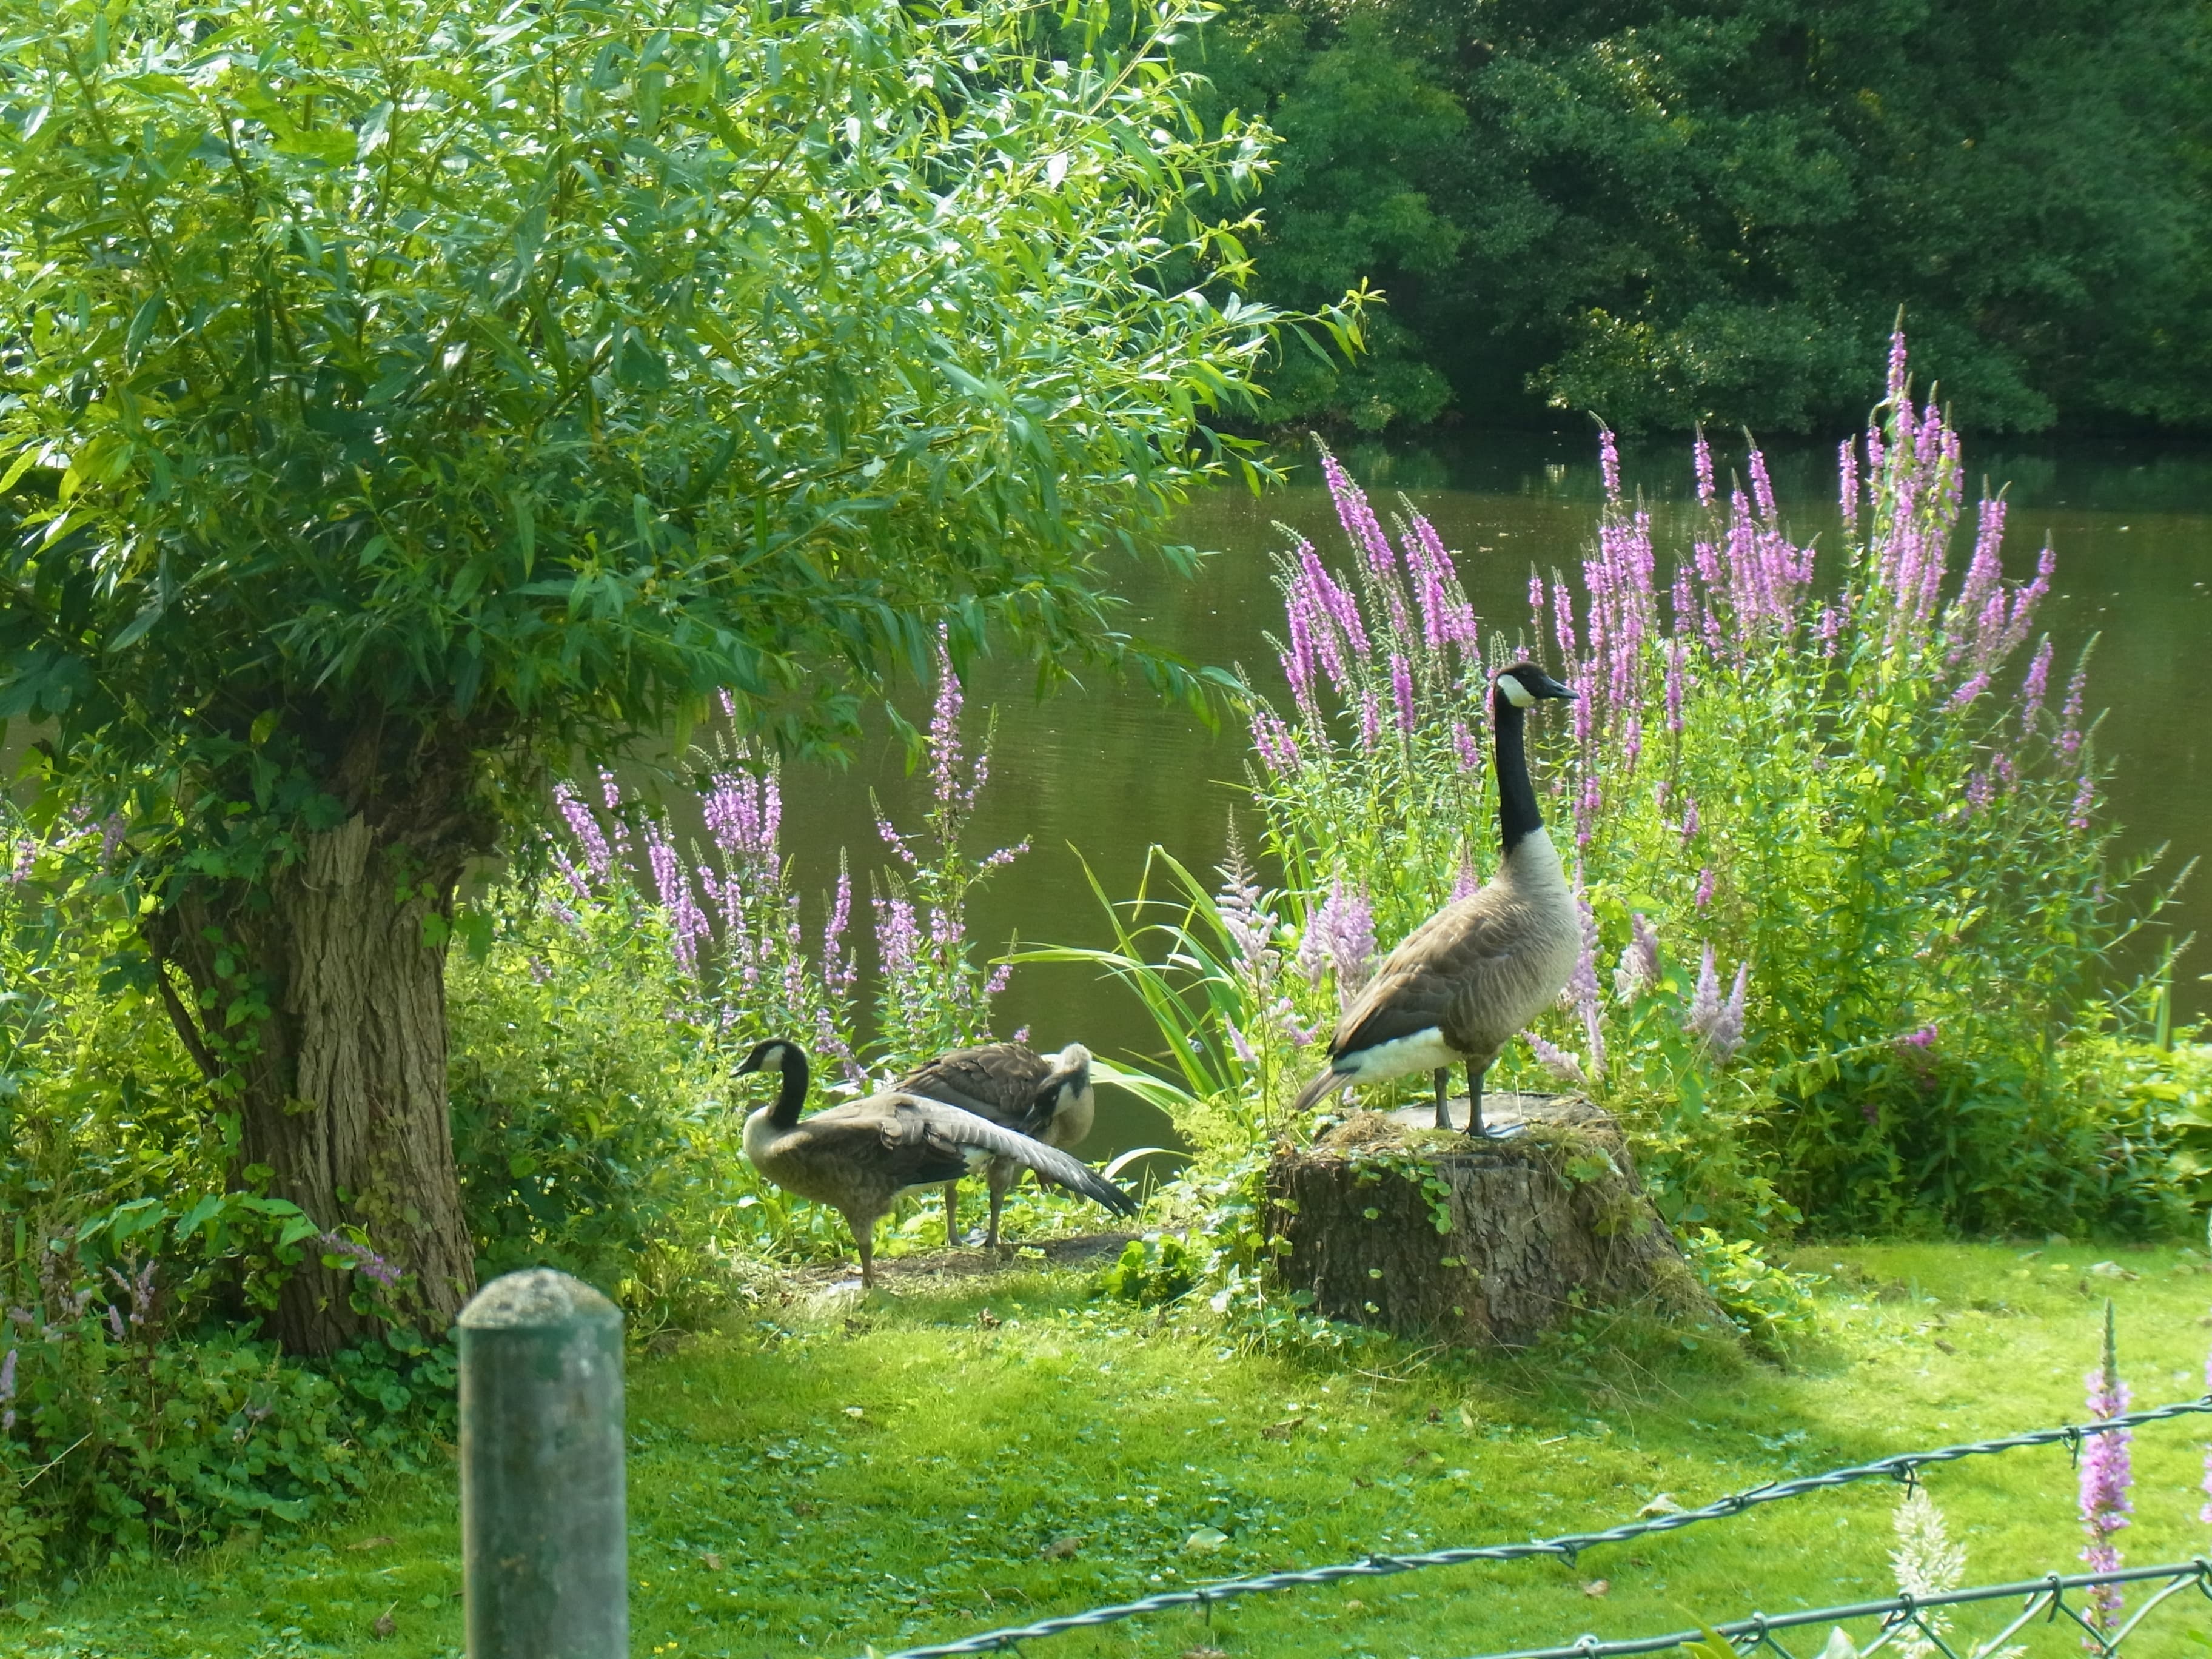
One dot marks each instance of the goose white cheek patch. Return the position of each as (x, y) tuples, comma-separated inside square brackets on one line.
[(1515, 693)]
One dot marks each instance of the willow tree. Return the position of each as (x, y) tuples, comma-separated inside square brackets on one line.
[(402, 400)]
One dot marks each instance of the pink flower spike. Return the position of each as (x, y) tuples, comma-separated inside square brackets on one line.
[(1704, 886), (2106, 1478), (1608, 464)]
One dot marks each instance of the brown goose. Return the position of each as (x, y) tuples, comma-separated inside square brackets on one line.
[(1467, 979), (1050, 1100), (859, 1159)]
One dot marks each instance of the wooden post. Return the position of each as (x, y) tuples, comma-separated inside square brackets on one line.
[(543, 1545)]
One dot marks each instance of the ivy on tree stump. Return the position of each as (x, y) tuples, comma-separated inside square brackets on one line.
[(1428, 1233)]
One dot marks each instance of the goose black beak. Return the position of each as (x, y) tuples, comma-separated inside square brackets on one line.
[(1552, 688)]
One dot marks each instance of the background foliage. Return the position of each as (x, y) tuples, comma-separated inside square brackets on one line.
[(1670, 211)]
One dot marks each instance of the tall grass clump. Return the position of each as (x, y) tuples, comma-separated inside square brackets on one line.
[(1834, 819)]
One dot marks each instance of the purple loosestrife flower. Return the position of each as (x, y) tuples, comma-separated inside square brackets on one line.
[(1923, 1038), (2034, 686), (1762, 487), (1639, 960), (2204, 1514), (1241, 1046), (2085, 796), (1847, 483), (1467, 884), (1690, 820), (1454, 617), (1896, 379), (1371, 720), (8, 1391), (1704, 886), (1608, 463), (1470, 758), (1675, 653), (2069, 717), (598, 858), (2105, 1479), (1559, 1061), (1972, 688), (115, 1321), (361, 1259), (1401, 690), (899, 935), (1536, 601), (1279, 750), (1356, 517), (1350, 938), (1701, 457), (1719, 1023), (1981, 790), (1830, 625)]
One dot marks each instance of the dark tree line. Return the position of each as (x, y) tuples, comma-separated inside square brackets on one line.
[(1713, 208)]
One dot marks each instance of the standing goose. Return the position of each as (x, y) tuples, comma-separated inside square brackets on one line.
[(1014, 1086), (859, 1159), (1464, 981)]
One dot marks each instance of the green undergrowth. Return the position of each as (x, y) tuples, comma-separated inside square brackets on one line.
[(822, 1475)]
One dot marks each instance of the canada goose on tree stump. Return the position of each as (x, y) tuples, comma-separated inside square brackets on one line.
[(1464, 982), (1048, 1098), (858, 1159)]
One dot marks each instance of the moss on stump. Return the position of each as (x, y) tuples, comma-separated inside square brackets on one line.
[(1426, 1233)]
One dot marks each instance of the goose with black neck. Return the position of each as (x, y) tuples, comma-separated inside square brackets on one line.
[(858, 1159), (1464, 983)]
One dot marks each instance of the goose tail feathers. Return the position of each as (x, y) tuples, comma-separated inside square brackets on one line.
[(1319, 1086)]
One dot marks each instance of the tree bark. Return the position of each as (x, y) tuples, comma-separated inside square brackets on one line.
[(1527, 1222), (338, 1075)]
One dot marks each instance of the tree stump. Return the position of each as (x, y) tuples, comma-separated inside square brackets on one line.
[(1423, 1231)]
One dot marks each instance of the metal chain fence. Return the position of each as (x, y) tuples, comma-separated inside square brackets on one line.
[(2044, 1600), (1905, 1465)]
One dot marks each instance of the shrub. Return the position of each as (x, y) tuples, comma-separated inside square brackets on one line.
[(1848, 898), (1770, 1305), (616, 988)]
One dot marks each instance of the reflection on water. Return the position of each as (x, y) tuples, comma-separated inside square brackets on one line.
[(1107, 772)]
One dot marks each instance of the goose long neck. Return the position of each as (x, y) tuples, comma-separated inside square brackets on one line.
[(1517, 817), (792, 1095)]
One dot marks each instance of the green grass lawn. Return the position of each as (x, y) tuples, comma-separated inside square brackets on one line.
[(822, 1475)]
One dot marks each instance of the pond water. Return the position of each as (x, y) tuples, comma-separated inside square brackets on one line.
[(1106, 772)]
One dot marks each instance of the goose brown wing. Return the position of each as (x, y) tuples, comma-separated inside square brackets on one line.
[(1437, 977), (859, 1137), (952, 1133), (1000, 1081)]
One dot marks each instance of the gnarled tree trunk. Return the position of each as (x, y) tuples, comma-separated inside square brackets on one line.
[(338, 1075), (1429, 1233)]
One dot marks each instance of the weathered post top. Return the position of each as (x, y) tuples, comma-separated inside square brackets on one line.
[(535, 1298), (543, 1530)]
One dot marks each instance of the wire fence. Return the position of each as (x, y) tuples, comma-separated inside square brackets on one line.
[(1905, 1465), (1922, 1616)]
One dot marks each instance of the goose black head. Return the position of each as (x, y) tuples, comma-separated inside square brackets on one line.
[(1071, 1074), (775, 1053), (791, 1059), (1523, 684)]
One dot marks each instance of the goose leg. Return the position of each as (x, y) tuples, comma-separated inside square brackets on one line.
[(1443, 1082), (1474, 1123), (951, 1215), (998, 1183)]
